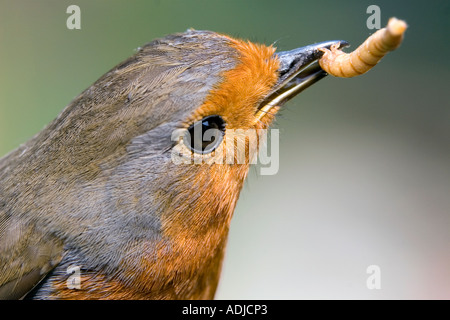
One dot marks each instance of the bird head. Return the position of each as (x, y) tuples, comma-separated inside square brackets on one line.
[(141, 127)]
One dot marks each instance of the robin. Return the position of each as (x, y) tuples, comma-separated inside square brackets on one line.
[(98, 190)]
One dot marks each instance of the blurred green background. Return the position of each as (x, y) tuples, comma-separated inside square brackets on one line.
[(364, 174)]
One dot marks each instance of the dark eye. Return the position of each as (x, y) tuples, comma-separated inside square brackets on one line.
[(206, 135)]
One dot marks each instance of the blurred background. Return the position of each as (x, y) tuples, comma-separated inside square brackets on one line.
[(364, 175)]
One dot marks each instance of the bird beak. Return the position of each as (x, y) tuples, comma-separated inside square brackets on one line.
[(299, 69)]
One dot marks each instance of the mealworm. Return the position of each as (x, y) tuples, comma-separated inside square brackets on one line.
[(367, 55)]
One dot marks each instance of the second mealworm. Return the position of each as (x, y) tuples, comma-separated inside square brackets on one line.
[(367, 55)]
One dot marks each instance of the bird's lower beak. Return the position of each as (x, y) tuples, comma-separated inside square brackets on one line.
[(299, 69)]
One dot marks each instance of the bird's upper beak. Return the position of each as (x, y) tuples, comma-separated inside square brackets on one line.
[(299, 68)]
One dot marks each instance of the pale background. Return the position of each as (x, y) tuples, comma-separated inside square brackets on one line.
[(364, 174)]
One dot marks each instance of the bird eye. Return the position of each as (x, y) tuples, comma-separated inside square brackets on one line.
[(205, 136)]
